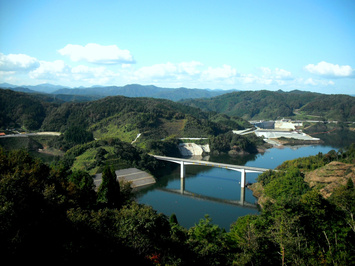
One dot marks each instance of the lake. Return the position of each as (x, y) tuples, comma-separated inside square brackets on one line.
[(209, 190)]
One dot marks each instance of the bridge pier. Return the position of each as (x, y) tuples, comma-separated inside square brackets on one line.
[(242, 169), (182, 185), (242, 178), (182, 170), (242, 195)]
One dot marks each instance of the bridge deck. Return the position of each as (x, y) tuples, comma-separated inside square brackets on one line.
[(213, 164)]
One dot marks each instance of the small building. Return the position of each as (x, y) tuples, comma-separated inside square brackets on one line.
[(265, 124)]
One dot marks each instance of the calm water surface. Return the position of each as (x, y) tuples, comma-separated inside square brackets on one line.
[(212, 186)]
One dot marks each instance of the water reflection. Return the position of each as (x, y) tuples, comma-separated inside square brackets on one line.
[(204, 190), (182, 191), (208, 190)]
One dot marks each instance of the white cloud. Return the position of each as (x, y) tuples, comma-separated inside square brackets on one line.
[(252, 79), (50, 70), (24, 69), (93, 75), (184, 73), (96, 53), (268, 76), (224, 72), (190, 68), (247, 78), (278, 73), (282, 74), (327, 69), (169, 70), (157, 71), (96, 71), (310, 81), (126, 65), (313, 82), (17, 62), (59, 72)]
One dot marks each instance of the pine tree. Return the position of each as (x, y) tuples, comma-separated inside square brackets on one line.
[(109, 190)]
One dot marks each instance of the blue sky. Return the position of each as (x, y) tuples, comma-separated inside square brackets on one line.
[(245, 45)]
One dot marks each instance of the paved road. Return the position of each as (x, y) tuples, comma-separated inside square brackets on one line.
[(31, 134)]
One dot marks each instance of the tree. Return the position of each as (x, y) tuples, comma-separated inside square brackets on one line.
[(209, 242), (81, 185), (32, 208), (344, 198), (100, 156), (109, 190), (287, 184), (286, 232), (77, 135), (246, 236), (350, 184), (142, 228), (173, 219)]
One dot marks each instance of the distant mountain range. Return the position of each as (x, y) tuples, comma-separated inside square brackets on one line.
[(132, 90), (44, 88)]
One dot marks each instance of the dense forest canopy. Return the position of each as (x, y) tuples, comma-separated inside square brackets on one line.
[(275, 105), (54, 213), (15, 105), (21, 109), (113, 117)]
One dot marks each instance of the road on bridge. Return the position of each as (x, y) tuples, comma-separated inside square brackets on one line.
[(213, 164), (240, 168)]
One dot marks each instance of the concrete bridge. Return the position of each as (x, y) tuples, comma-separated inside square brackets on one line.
[(240, 168)]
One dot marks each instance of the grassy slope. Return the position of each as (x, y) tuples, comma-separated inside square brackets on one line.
[(124, 118)]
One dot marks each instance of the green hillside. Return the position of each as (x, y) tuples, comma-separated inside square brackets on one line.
[(126, 117), (19, 109), (114, 117), (273, 105)]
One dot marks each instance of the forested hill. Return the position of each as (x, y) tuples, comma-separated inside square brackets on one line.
[(145, 114), (18, 109), (115, 116), (273, 105)]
